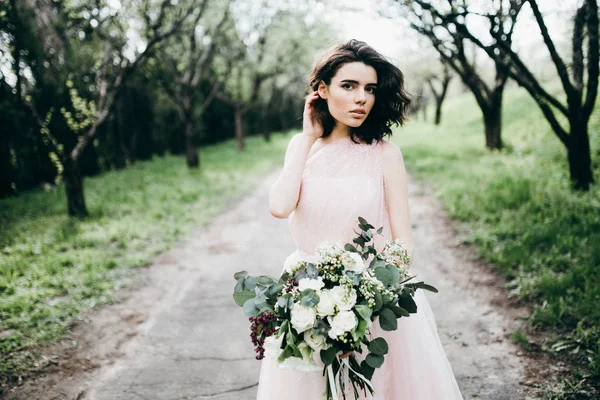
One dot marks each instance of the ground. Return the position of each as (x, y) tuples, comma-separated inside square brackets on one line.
[(177, 334)]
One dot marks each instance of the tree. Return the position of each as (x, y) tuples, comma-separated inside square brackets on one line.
[(578, 107), (432, 21), (189, 61), (439, 87), (266, 53), (82, 115)]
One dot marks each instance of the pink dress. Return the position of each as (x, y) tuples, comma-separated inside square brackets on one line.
[(341, 181)]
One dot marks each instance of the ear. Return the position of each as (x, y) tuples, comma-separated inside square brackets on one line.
[(322, 89)]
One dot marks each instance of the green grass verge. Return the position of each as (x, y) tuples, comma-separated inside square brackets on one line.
[(517, 209), (53, 267)]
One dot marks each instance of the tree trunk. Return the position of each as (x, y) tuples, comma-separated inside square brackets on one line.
[(438, 110), (492, 118), (493, 128), (239, 129), (190, 148), (74, 189), (578, 154), (265, 126)]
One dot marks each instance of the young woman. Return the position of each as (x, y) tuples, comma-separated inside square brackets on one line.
[(337, 169)]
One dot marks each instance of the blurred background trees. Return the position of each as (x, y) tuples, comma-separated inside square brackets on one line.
[(89, 87)]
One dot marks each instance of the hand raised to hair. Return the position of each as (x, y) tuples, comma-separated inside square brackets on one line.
[(310, 127)]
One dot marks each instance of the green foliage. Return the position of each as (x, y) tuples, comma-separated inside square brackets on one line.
[(516, 208), (53, 267)]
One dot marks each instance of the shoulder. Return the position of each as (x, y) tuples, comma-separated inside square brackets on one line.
[(390, 152)]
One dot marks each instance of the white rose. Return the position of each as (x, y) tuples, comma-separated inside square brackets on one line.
[(307, 283), (326, 305), (292, 261), (315, 341), (344, 321), (303, 318), (272, 346), (343, 297), (353, 262)]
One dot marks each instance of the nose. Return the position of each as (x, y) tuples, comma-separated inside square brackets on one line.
[(360, 96)]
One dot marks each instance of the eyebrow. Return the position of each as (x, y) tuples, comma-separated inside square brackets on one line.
[(356, 82)]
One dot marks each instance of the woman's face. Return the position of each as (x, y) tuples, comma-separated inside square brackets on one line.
[(351, 93)]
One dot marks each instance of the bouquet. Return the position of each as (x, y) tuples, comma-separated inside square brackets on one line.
[(325, 308)]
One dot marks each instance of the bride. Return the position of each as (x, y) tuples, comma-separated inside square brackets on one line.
[(341, 167)]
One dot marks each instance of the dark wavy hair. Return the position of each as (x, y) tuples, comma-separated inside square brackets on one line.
[(391, 100)]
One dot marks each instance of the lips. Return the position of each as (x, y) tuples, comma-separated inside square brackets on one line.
[(358, 113)]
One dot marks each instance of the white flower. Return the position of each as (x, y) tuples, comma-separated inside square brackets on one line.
[(353, 262), (315, 341), (303, 318), (307, 283), (292, 261), (344, 321), (343, 297), (328, 250), (394, 252), (304, 364), (326, 305), (272, 346)]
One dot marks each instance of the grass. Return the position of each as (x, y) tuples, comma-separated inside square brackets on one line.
[(516, 208), (53, 267)]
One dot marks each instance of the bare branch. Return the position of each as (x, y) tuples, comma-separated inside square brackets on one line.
[(561, 68), (593, 57)]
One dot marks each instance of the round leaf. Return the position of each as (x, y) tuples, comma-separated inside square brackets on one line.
[(378, 346), (387, 320), (374, 360)]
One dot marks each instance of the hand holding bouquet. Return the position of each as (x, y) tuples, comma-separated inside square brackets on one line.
[(326, 307)]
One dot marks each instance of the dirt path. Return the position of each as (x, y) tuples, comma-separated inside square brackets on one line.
[(178, 335)]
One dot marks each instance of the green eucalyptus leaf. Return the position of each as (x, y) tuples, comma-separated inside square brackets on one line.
[(308, 298), (423, 285), (286, 353), (260, 300), (274, 289), (367, 370), (239, 286), (241, 298), (250, 308), (250, 282), (374, 360), (398, 311), (393, 270), (387, 320), (378, 346), (384, 275), (328, 355), (360, 330), (265, 280), (364, 311), (240, 274), (349, 247), (378, 300), (407, 302)]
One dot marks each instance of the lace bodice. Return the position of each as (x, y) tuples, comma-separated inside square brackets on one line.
[(341, 181)]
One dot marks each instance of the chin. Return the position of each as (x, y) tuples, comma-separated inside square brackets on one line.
[(353, 123)]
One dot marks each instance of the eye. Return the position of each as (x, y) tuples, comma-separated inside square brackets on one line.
[(371, 89), (347, 86)]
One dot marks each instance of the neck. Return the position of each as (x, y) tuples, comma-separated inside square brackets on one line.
[(340, 131)]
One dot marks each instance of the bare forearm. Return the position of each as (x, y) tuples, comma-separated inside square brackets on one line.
[(284, 193)]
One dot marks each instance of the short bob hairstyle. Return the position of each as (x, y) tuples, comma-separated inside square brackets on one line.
[(391, 100)]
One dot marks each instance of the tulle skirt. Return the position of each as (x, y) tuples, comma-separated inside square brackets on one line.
[(415, 368)]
